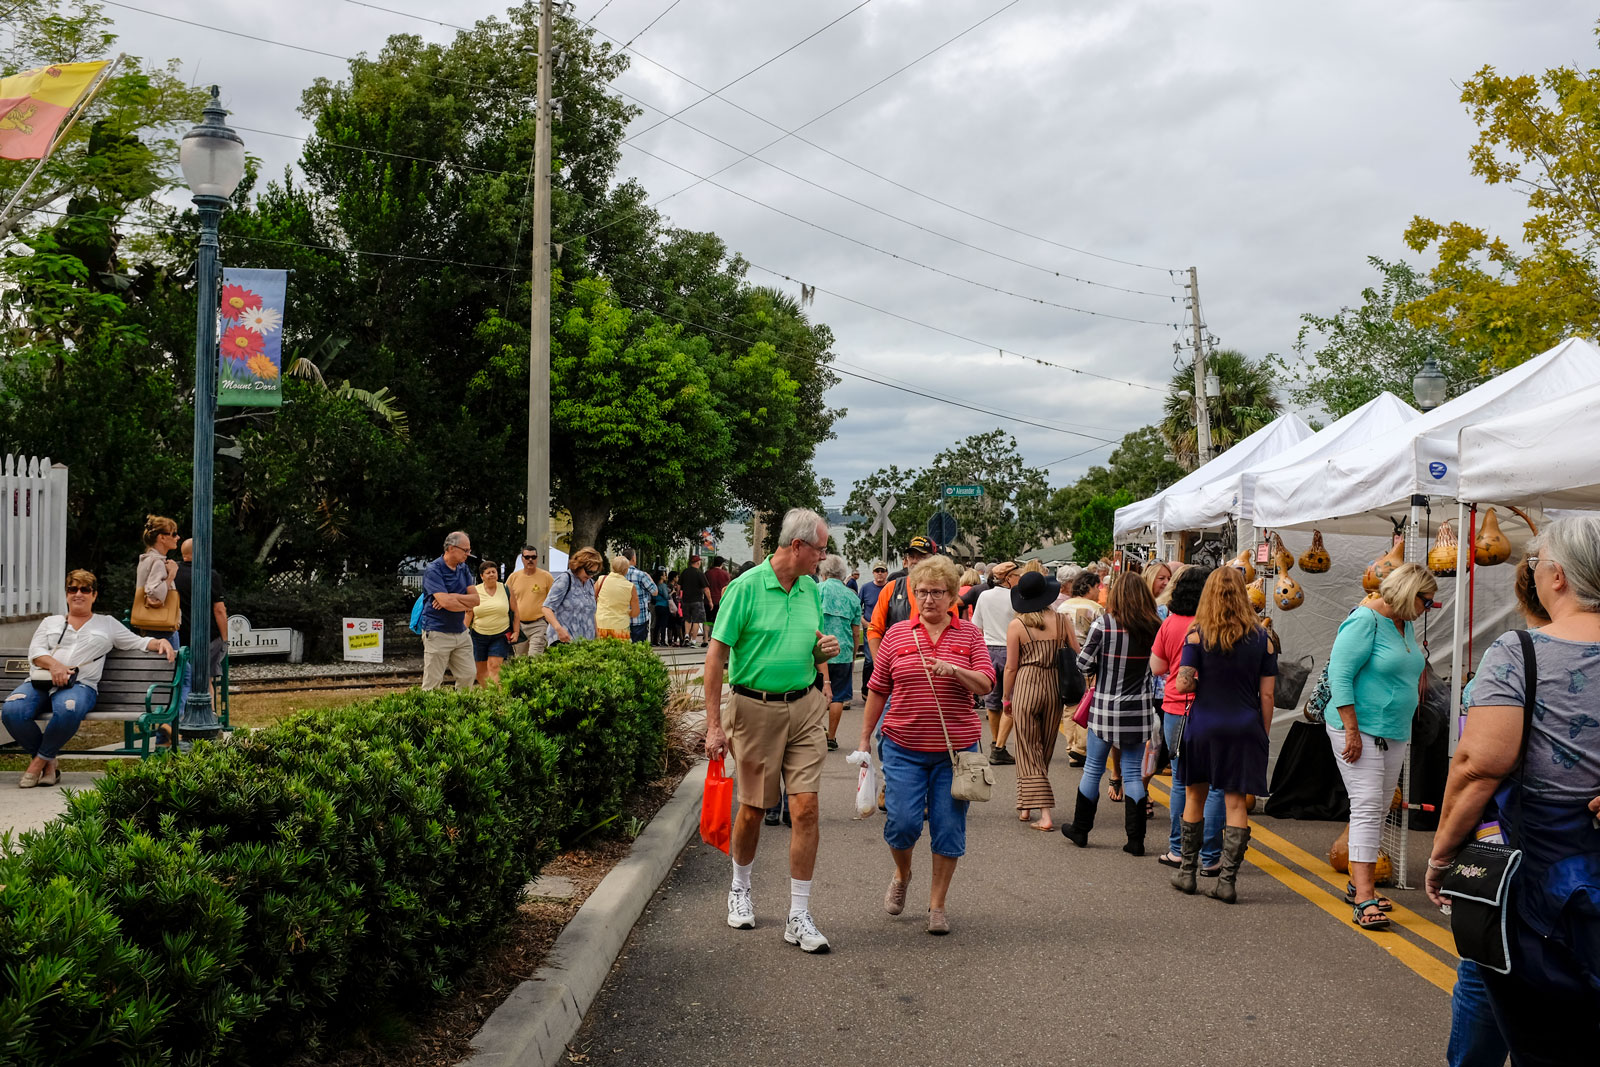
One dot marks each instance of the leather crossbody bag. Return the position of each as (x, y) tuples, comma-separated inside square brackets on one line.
[(1479, 880)]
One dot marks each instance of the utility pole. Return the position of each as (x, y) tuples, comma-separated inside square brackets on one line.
[(538, 511), (1202, 419)]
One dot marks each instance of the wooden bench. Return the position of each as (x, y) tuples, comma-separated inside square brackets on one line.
[(138, 689)]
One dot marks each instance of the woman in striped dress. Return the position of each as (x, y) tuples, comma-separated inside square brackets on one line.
[(1116, 656), (1032, 699)]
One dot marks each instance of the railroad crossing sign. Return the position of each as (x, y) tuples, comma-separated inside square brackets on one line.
[(881, 523)]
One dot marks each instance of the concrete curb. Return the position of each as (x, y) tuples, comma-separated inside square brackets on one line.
[(532, 1026)]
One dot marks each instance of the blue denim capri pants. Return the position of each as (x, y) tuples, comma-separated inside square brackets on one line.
[(913, 781)]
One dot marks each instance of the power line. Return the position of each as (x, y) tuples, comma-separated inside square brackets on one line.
[(707, 179), (590, 20), (957, 336), (652, 22)]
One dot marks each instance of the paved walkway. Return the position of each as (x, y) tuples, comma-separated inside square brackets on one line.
[(1058, 956), (30, 809)]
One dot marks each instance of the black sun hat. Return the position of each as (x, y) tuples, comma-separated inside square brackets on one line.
[(1034, 592)]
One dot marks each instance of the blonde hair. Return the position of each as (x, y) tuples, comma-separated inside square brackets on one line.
[(939, 570), (1225, 615), (586, 558), (1034, 620), (155, 526), (1149, 575), (969, 577), (619, 564), (1033, 566), (1402, 587)]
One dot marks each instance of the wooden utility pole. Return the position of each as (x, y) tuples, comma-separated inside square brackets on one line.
[(1202, 404), (538, 513)]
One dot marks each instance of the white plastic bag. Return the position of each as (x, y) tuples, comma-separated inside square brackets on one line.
[(866, 784)]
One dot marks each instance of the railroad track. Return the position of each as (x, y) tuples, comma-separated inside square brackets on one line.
[(314, 683)]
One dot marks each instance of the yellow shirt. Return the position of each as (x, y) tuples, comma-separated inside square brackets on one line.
[(530, 589), (611, 603), (493, 613)]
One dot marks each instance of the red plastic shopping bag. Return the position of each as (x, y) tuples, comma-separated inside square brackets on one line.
[(1081, 716), (716, 807)]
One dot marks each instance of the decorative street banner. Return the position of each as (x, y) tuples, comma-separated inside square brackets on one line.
[(33, 105), (251, 333)]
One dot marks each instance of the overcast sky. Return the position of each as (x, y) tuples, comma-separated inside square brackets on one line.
[(1272, 145)]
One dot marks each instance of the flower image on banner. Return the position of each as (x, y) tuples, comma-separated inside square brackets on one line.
[(250, 338)]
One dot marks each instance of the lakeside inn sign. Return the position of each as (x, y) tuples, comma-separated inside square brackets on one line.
[(244, 641)]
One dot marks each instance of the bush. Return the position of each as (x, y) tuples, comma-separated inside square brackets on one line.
[(317, 610), (250, 900), (603, 702)]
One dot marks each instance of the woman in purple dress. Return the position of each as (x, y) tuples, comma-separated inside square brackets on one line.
[(1230, 667)]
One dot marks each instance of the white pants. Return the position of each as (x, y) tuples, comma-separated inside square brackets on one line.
[(1370, 781)]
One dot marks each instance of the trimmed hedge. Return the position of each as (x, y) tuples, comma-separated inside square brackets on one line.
[(249, 901)]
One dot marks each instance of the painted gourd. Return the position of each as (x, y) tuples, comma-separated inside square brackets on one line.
[(1287, 593), (1383, 870), (1315, 560), (1339, 852), (1442, 557), (1379, 569), (1258, 594), (1242, 564), (1492, 547), (1280, 555)]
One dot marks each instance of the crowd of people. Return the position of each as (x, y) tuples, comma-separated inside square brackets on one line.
[(1181, 667)]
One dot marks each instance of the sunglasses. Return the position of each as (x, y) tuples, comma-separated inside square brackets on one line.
[(86, 590)]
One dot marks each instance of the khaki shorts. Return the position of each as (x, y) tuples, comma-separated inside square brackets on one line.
[(533, 639), (776, 746)]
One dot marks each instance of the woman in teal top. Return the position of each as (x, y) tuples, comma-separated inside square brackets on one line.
[(1373, 674)]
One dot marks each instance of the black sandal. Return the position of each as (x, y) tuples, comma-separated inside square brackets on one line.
[(1384, 903), (1360, 918), (1114, 790)]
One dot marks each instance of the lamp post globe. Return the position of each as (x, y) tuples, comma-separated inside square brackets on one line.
[(1430, 388), (212, 158)]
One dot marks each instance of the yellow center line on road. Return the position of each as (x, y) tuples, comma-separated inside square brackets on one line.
[(1418, 960)]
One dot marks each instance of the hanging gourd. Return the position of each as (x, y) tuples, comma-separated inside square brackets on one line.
[(1258, 594), (1242, 564), (1379, 569), (1492, 547), (1315, 560), (1339, 852), (1281, 558), (1287, 593), (1442, 557)]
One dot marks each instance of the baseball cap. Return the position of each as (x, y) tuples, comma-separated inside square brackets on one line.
[(694, 559), (922, 545), (879, 565)]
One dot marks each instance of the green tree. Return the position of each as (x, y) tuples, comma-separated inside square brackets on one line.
[(1138, 467), (1093, 529), (1540, 136), (1348, 358), (1248, 403)]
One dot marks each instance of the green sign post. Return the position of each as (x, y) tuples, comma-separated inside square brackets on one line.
[(963, 490)]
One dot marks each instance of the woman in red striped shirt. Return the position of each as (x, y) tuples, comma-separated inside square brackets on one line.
[(933, 666)]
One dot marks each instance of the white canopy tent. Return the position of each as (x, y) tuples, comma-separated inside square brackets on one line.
[(1535, 456), (1145, 519), (1233, 497), (1362, 490)]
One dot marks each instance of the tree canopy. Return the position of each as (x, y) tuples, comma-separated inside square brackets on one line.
[(1249, 401)]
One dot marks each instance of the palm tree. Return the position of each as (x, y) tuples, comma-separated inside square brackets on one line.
[(1247, 404)]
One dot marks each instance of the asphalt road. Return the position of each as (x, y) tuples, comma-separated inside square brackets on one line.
[(1057, 956)]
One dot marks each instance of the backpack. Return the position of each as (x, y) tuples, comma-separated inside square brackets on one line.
[(416, 613)]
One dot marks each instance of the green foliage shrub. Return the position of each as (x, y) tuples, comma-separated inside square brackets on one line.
[(253, 900), (603, 703), (317, 609)]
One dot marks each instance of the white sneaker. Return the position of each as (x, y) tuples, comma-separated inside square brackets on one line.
[(802, 931), (742, 910)]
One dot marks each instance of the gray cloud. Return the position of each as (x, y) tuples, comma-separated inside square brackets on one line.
[(1272, 145)]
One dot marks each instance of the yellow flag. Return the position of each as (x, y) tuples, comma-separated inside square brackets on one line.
[(33, 105)]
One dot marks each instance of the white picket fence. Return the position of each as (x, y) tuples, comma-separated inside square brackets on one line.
[(33, 537)]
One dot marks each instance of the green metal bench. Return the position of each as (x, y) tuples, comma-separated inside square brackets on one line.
[(138, 689)]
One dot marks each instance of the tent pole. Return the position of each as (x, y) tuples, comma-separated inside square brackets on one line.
[(1457, 636)]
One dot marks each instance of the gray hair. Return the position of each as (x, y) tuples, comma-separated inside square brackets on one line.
[(454, 538), (1574, 544), (800, 524), (832, 567), (1066, 573)]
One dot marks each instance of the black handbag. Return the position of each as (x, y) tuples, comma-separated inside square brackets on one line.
[(1478, 882), (1292, 677), (1069, 679)]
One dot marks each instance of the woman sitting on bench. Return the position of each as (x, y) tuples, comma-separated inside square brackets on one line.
[(68, 653)]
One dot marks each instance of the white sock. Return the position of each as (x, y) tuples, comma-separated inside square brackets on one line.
[(741, 875), (799, 896)]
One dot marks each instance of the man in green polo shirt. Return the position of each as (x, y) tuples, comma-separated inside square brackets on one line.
[(769, 630)]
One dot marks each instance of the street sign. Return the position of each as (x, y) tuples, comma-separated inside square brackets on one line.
[(963, 490), (942, 528), (881, 523)]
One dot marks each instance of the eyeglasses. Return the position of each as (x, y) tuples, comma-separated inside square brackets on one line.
[(931, 594), (86, 590), (1533, 563)]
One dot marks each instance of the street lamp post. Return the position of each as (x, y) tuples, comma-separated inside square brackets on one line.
[(1430, 387), (212, 158)]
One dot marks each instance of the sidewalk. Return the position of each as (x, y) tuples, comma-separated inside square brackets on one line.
[(30, 809), (1057, 955)]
